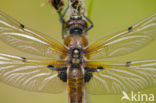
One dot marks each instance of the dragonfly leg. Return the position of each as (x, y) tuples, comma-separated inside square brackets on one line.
[(62, 20), (91, 23)]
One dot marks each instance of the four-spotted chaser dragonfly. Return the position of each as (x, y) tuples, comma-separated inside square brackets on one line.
[(72, 65)]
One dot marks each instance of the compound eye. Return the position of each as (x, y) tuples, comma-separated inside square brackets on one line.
[(79, 17), (76, 31), (72, 17)]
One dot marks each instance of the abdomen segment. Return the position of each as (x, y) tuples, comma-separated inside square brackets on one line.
[(76, 85)]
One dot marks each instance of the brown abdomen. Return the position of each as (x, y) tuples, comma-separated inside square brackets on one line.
[(76, 85)]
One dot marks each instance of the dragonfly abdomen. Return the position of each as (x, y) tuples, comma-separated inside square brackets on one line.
[(76, 85)]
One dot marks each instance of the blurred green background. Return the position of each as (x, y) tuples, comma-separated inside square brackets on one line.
[(108, 16)]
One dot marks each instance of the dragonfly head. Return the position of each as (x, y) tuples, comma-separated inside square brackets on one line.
[(76, 25)]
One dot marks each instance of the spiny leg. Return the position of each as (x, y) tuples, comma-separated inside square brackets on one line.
[(91, 26), (62, 20)]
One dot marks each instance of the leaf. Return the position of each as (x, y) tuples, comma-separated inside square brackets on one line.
[(90, 8)]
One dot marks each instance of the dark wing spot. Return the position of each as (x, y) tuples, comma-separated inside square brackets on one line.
[(90, 69), (130, 29), (100, 68), (128, 64), (88, 75), (63, 75), (22, 26), (23, 59), (51, 67)]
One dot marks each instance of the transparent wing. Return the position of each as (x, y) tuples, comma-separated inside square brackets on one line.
[(124, 42), (27, 40), (122, 76), (31, 74)]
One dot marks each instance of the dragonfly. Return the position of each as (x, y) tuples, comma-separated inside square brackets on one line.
[(76, 65)]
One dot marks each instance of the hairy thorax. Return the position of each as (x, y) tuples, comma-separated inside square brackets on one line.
[(76, 49)]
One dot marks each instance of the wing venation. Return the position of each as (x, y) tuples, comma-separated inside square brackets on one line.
[(27, 40), (31, 74), (124, 42), (117, 77)]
